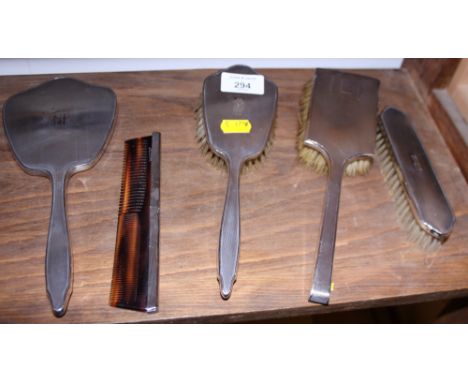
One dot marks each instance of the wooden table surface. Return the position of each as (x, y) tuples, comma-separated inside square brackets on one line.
[(281, 206)]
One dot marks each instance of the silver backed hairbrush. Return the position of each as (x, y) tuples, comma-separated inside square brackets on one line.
[(336, 136), (422, 207)]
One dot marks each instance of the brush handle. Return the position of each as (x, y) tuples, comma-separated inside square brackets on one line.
[(230, 233), (58, 256), (320, 292)]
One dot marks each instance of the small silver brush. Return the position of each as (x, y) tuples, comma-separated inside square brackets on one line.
[(421, 205)]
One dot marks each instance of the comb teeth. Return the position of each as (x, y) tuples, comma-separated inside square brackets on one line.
[(135, 175), (125, 279), (313, 158), (214, 158), (134, 273), (393, 179)]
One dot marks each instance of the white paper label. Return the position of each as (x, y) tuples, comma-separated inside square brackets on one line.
[(242, 83)]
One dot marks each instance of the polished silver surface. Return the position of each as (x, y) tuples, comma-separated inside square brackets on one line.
[(425, 195), (55, 130), (342, 126), (236, 150)]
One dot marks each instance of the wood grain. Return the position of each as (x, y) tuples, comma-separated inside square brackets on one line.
[(452, 126), (431, 73), (281, 207), (458, 88)]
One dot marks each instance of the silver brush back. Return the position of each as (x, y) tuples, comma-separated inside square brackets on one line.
[(414, 174)]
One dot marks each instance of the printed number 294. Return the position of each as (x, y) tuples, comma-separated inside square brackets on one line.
[(241, 85)]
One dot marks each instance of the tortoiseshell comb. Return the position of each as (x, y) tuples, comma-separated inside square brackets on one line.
[(136, 260)]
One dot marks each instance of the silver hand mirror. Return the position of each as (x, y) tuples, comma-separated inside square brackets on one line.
[(56, 130)]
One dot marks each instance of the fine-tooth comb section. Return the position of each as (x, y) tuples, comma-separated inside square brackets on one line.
[(134, 279), (135, 175)]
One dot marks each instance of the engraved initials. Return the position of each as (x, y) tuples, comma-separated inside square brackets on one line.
[(416, 162), (59, 120), (238, 107)]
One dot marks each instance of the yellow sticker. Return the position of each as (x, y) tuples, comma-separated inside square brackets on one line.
[(332, 286), (236, 126)]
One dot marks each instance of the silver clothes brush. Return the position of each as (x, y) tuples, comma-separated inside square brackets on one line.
[(422, 207)]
